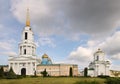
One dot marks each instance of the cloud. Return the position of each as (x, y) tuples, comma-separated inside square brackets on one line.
[(111, 45), (8, 47), (70, 18), (7, 44), (8, 53), (82, 56), (43, 41), (82, 53), (115, 67), (116, 56)]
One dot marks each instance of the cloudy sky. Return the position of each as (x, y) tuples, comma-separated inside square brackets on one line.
[(69, 31)]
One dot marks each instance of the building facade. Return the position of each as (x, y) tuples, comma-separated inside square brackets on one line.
[(99, 66), (56, 69)]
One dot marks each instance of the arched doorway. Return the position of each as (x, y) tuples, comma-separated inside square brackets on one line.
[(23, 71)]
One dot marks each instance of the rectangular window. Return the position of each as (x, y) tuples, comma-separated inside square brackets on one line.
[(97, 58), (25, 35), (25, 51)]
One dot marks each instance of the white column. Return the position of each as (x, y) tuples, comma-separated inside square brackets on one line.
[(31, 69), (30, 50), (18, 68), (22, 50)]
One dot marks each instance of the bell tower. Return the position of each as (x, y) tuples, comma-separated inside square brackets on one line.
[(27, 46), (99, 55), (26, 61)]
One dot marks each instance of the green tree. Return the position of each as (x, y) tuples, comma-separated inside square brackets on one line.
[(70, 72), (11, 74), (86, 72), (1, 72), (44, 73)]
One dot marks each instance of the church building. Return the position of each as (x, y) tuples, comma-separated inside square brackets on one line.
[(27, 62), (99, 66)]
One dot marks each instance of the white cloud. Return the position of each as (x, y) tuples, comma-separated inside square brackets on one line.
[(8, 53), (115, 67), (8, 44), (5, 46), (8, 47), (111, 45), (70, 18), (81, 55), (116, 56), (43, 41)]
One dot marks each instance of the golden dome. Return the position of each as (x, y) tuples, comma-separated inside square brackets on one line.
[(45, 56)]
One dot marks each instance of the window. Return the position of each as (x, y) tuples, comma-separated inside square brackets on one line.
[(30, 29), (24, 51), (25, 35), (97, 58)]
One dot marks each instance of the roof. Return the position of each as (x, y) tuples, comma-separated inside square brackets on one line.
[(45, 56), (56, 64)]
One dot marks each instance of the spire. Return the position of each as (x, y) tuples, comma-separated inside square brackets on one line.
[(27, 18)]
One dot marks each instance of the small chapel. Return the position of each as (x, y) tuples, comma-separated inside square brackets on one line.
[(27, 62), (100, 66)]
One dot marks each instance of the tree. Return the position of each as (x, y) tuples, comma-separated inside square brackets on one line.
[(70, 72), (11, 74), (44, 73), (86, 72), (1, 72)]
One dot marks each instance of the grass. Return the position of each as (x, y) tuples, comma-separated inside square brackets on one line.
[(50, 80)]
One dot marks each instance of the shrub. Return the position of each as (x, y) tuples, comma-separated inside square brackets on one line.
[(112, 81), (1, 72), (103, 76), (44, 73), (11, 74)]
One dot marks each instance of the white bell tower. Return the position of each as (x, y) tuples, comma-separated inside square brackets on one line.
[(26, 61), (99, 55), (27, 47)]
